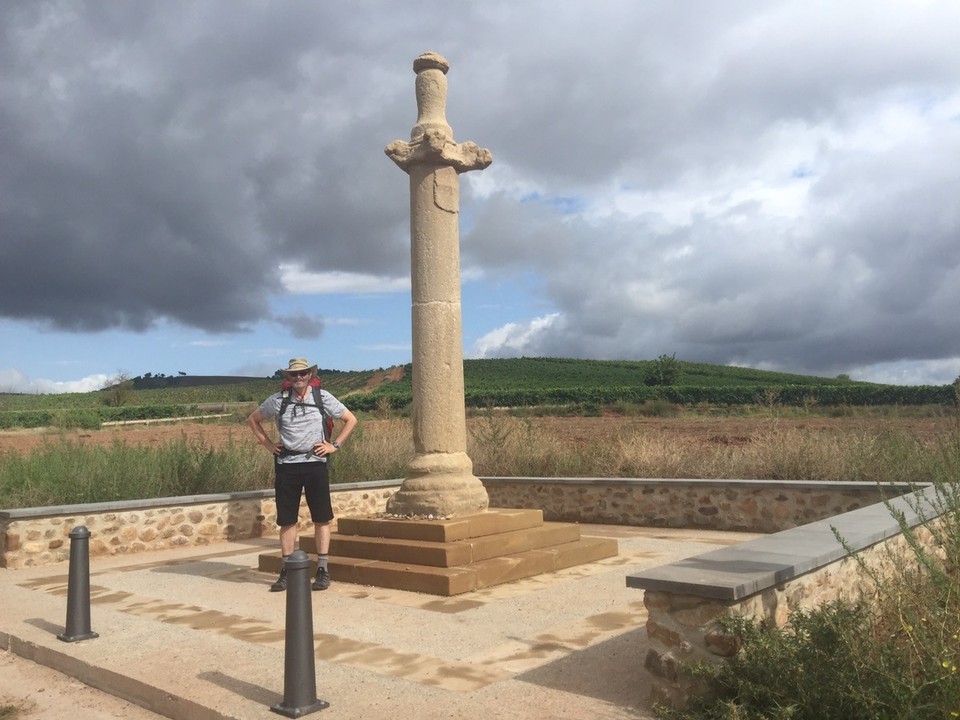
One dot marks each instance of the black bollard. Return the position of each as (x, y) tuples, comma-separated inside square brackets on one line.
[(299, 668), (78, 588)]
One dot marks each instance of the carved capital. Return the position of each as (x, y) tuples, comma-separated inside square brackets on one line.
[(436, 148), (466, 156), (431, 140)]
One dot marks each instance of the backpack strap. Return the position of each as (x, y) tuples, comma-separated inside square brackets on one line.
[(284, 401), (326, 419), (286, 398)]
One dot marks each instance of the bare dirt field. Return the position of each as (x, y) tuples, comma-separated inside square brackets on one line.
[(698, 430)]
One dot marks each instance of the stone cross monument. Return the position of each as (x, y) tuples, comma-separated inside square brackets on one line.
[(440, 478)]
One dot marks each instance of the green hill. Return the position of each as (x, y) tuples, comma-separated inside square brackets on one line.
[(554, 373), (518, 382), (514, 382)]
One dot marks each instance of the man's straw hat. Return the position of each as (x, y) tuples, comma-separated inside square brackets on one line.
[(299, 365)]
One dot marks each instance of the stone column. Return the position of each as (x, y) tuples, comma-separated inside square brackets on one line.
[(440, 478)]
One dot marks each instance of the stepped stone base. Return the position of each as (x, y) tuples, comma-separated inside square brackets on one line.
[(452, 556)]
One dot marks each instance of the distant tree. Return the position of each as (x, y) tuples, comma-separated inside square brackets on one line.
[(118, 390), (663, 371), (844, 377), (181, 373)]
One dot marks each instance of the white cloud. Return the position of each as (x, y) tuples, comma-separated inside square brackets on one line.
[(297, 280), (514, 338), (14, 381)]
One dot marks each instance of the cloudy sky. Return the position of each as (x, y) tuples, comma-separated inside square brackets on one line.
[(201, 187)]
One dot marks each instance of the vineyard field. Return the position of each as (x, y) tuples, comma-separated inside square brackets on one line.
[(518, 382)]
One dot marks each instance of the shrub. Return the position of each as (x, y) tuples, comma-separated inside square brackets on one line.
[(663, 371), (832, 663), (118, 392)]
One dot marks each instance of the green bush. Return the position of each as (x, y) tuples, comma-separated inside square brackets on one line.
[(119, 393), (832, 663), (26, 419), (663, 371)]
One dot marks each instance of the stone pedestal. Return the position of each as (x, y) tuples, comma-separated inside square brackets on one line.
[(440, 478), (452, 556)]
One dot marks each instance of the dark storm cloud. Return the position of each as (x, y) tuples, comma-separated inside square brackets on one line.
[(161, 160), (863, 270), (301, 325), (765, 183)]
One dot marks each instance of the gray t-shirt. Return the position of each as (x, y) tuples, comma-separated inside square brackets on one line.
[(302, 425)]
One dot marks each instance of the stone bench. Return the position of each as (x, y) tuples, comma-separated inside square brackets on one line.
[(764, 578)]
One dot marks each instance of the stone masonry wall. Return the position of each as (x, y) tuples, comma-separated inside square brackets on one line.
[(39, 536), (685, 628), (32, 538), (728, 505)]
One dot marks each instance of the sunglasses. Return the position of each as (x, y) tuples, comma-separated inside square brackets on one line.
[(299, 373)]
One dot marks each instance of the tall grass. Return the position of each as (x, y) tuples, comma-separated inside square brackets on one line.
[(380, 454), (501, 445), (64, 472)]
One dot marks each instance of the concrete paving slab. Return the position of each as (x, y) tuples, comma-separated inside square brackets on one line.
[(194, 633)]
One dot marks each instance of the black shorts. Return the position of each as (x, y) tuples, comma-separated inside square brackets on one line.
[(310, 478)]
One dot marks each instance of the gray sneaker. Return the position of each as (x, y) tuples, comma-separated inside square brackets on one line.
[(322, 581)]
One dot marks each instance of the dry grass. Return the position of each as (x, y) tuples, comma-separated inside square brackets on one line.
[(191, 459), (503, 446)]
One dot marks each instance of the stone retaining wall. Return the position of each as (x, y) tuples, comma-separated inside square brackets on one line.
[(766, 578), (39, 536), (762, 506)]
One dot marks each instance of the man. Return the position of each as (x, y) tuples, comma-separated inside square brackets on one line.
[(301, 459)]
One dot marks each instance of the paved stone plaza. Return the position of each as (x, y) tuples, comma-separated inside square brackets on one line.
[(194, 633)]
